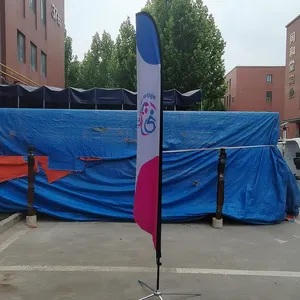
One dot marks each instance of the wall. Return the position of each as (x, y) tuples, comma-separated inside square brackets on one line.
[(2, 34), (230, 96), (250, 86), (292, 104), (49, 39)]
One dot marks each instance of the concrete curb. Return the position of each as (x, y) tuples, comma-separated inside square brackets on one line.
[(11, 221)]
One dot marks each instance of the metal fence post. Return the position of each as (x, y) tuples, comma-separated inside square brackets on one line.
[(31, 219), (218, 220)]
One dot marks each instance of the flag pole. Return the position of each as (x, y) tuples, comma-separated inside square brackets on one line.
[(160, 179), (148, 190)]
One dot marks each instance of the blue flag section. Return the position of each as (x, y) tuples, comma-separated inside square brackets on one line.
[(259, 187)]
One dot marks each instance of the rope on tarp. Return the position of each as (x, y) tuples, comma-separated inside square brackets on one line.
[(218, 148)]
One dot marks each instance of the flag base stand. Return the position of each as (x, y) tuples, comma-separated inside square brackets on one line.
[(158, 294), (155, 293)]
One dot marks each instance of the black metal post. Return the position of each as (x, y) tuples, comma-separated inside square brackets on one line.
[(220, 189), (31, 181)]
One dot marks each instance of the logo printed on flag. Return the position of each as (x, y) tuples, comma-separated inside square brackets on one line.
[(147, 114)]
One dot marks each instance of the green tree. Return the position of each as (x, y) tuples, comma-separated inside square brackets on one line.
[(123, 63), (72, 65), (107, 48), (192, 48), (216, 104), (74, 76), (90, 64), (95, 68)]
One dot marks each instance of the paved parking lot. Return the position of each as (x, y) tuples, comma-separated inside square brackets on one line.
[(80, 261)]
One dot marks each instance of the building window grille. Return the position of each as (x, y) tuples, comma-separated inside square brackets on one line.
[(21, 46), (33, 56), (44, 64), (32, 5), (269, 78), (43, 12), (269, 96)]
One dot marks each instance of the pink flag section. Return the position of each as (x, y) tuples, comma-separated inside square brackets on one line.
[(146, 197), (145, 210)]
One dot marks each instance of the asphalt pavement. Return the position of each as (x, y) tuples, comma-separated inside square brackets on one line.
[(80, 261)]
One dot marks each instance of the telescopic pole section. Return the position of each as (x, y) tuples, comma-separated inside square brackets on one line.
[(159, 206), (220, 190), (158, 264)]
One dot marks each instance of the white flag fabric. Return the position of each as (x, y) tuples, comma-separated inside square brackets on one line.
[(146, 200)]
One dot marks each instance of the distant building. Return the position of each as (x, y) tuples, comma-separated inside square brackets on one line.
[(32, 41), (255, 89), (292, 77)]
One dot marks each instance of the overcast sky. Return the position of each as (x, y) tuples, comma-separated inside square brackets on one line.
[(254, 30)]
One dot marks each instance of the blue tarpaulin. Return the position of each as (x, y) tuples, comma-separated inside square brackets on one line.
[(259, 187)]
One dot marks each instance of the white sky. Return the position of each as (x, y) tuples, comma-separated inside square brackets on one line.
[(254, 30)]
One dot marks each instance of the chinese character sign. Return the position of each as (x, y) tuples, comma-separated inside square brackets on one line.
[(292, 51), (292, 37), (55, 15), (291, 93), (292, 64), (292, 79)]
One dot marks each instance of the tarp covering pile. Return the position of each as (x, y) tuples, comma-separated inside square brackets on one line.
[(85, 161), (51, 97)]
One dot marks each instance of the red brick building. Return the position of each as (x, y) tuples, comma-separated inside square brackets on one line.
[(32, 41), (292, 77), (255, 89)]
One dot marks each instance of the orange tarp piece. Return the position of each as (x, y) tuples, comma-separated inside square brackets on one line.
[(12, 167), (52, 175), (90, 158)]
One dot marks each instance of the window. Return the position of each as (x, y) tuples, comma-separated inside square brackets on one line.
[(44, 64), (32, 5), (269, 78), (43, 11), (24, 8), (33, 56), (269, 96), (21, 46)]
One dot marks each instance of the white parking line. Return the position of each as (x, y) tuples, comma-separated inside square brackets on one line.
[(76, 269), (262, 273), (108, 269), (12, 239), (297, 221)]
